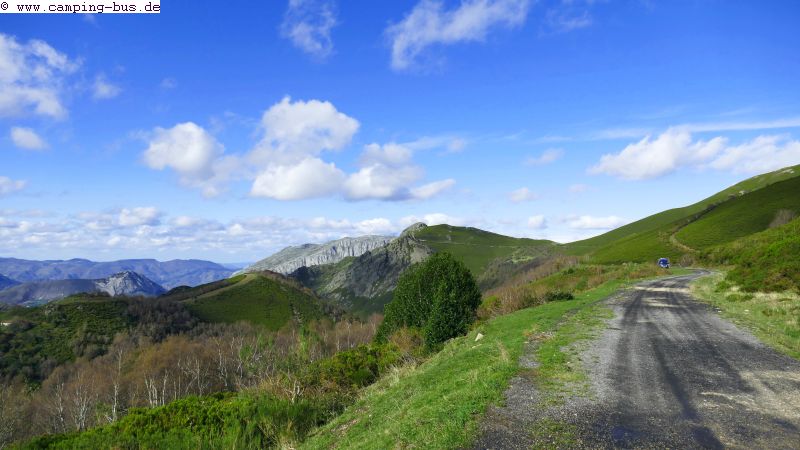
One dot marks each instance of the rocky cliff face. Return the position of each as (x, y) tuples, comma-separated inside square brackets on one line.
[(371, 276), (38, 292), (290, 259), (128, 283)]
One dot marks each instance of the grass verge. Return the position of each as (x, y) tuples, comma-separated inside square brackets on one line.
[(772, 317), (439, 403)]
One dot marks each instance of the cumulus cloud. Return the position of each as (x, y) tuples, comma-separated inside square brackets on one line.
[(308, 24), (595, 223), (430, 24), (32, 75), (537, 222), (547, 157), (27, 138), (102, 89), (9, 186), (288, 162), (139, 216), (294, 130), (309, 178), (523, 195), (675, 149), (192, 152)]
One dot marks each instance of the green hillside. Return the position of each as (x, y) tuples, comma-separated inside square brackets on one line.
[(742, 216), (734, 212), (477, 248), (767, 261), (259, 298)]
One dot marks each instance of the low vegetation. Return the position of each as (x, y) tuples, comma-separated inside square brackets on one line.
[(438, 403), (764, 262), (773, 317), (259, 299), (478, 248)]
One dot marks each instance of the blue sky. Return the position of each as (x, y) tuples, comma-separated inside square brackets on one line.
[(229, 131)]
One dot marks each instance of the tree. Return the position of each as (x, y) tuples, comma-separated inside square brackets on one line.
[(439, 296)]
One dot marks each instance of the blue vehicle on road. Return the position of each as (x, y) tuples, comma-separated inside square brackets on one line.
[(664, 262)]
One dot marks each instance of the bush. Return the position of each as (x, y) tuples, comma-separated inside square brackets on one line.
[(554, 296), (439, 296), (354, 368)]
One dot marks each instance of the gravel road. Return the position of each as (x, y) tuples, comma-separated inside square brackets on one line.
[(667, 372)]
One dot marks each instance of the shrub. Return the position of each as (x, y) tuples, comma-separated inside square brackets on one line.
[(439, 296), (354, 368), (553, 296)]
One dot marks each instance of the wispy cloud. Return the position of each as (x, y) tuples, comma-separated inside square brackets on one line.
[(27, 138), (308, 24), (547, 157), (523, 195), (102, 89), (9, 186), (430, 23)]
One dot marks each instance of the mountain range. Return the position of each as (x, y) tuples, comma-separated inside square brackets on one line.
[(168, 274), (124, 283)]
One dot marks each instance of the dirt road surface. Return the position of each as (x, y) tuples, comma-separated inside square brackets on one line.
[(667, 372)]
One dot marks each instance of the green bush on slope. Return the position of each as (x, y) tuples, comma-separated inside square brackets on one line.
[(439, 296), (768, 261)]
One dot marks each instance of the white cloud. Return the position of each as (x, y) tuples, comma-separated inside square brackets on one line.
[(433, 189), (537, 222), (762, 154), (429, 23), (523, 195), (387, 173), (595, 223), (308, 24), (309, 178), (294, 130), (547, 157), (432, 219), (651, 158), (287, 163), (31, 78), (9, 186), (186, 147), (139, 216), (102, 89), (675, 148), (193, 153), (27, 139)]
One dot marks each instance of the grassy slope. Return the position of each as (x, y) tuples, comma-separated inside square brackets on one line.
[(644, 238), (742, 216), (256, 298), (474, 247), (767, 261), (438, 404), (773, 318)]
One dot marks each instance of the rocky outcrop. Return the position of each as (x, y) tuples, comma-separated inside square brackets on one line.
[(38, 292), (370, 276), (290, 259)]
